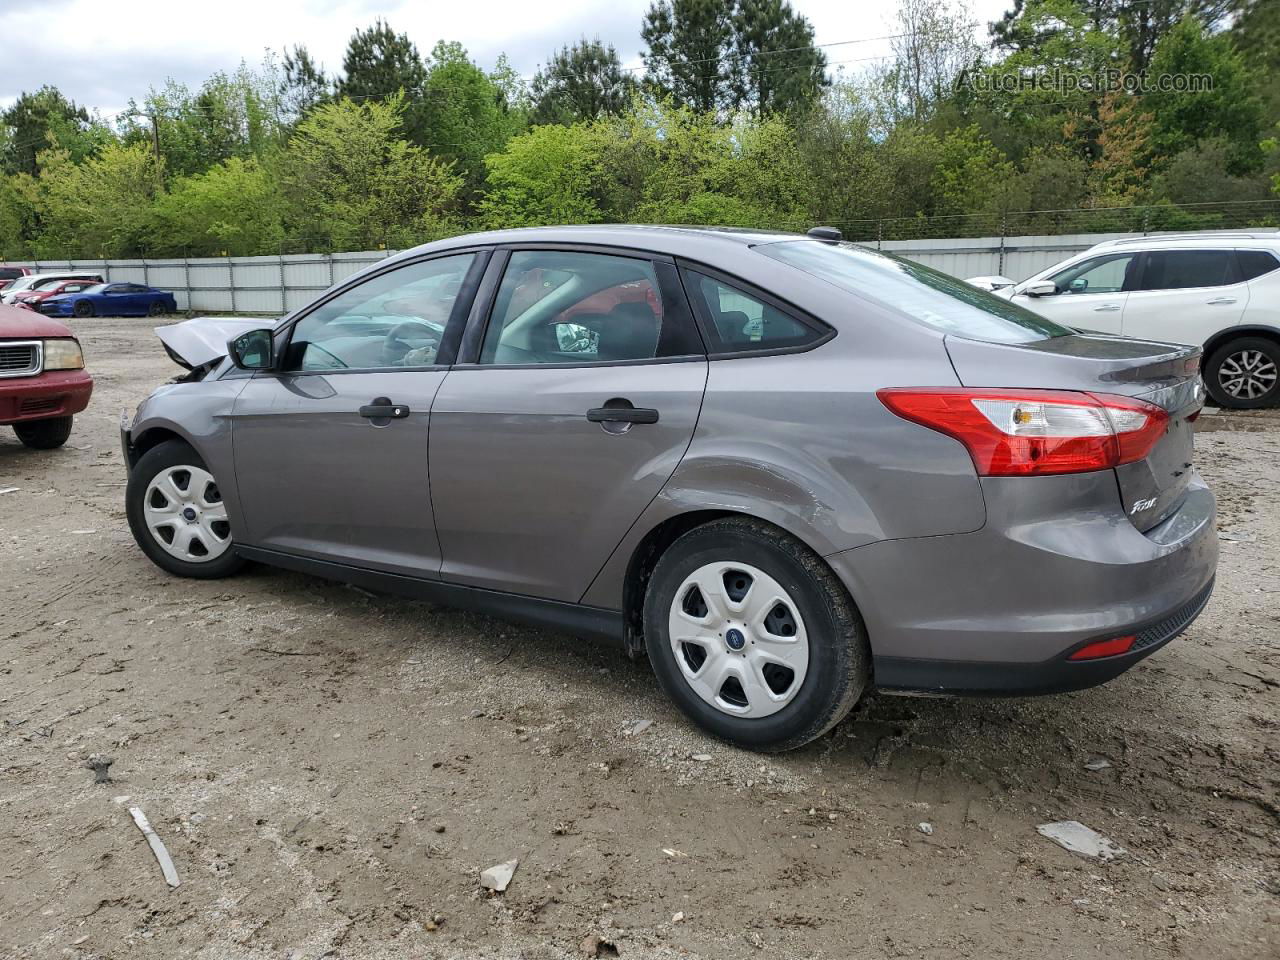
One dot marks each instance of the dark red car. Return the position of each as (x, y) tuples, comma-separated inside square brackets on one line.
[(9, 274), (43, 382), (31, 298)]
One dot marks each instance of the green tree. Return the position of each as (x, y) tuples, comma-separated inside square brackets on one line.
[(467, 115), (380, 63), (232, 208), (231, 115), (549, 175), (777, 68), (303, 83), (44, 119), (689, 52), (934, 47), (581, 82), (98, 208), (1233, 110), (352, 181), (19, 194)]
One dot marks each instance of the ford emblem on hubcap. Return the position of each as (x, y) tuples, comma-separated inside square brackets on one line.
[(735, 639)]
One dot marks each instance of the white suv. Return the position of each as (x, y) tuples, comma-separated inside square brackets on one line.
[(1218, 291)]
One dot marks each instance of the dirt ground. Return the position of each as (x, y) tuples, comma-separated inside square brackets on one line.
[(331, 770)]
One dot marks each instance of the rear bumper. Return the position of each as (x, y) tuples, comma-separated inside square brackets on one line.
[(1057, 566), (54, 393)]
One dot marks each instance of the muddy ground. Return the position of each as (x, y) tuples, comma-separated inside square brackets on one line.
[(331, 770)]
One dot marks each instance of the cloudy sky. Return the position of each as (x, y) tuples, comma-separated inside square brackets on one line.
[(101, 54)]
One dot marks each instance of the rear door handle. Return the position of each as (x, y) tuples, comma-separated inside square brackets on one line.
[(1107, 308), (383, 409), (1220, 300), (626, 414)]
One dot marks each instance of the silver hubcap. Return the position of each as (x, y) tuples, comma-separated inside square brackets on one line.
[(738, 639), (1248, 374), (185, 514)]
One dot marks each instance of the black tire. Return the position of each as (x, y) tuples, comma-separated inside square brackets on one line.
[(839, 656), (1213, 372), (156, 309), (83, 308), (44, 434), (171, 453)]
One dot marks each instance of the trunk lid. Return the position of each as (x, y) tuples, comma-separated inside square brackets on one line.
[(1164, 374)]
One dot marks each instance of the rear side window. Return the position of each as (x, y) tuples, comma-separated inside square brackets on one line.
[(1183, 269), (742, 322), (1255, 263), (922, 293), (10, 273)]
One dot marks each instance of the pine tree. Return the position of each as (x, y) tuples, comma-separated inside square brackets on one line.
[(581, 82)]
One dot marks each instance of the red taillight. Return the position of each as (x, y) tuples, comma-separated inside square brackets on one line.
[(1018, 433), (1103, 648)]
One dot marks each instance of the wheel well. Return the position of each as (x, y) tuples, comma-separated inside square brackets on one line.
[(151, 438), (1226, 336), (645, 558)]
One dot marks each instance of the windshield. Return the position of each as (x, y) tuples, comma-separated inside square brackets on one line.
[(924, 294)]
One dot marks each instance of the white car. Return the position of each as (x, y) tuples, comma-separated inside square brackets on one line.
[(1218, 291)]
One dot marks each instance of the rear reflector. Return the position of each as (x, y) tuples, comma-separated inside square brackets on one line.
[(1018, 433), (1103, 648)]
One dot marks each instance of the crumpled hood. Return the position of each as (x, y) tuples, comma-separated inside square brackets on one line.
[(201, 340)]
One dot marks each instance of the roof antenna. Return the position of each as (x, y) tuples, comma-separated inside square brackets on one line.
[(825, 233)]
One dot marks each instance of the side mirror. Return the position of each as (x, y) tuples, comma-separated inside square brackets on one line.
[(1079, 285), (1040, 288), (252, 350)]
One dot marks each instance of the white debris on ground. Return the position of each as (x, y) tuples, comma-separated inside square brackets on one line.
[(1075, 836), (496, 878)]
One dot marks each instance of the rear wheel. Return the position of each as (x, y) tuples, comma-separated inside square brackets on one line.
[(1244, 373), (752, 635), (82, 308), (156, 309), (44, 434), (177, 515)]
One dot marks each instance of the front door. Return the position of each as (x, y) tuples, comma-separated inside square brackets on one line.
[(1091, 294), (574, 411), (331, 449)]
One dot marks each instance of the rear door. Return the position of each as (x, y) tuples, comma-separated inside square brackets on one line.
[(331, 448), (1185, 296), (1091, 294), (575, 397)]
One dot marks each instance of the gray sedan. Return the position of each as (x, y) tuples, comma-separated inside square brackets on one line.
[(783, 467)]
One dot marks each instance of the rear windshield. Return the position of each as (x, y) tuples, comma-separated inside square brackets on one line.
[(10, 273), (924, 294)]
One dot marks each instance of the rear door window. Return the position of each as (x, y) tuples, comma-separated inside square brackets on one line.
[(1185, 269)]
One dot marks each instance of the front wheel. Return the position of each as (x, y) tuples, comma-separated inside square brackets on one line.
[(177, 515), (752, 635), (44, 434), (1245, 373), (83, 308)]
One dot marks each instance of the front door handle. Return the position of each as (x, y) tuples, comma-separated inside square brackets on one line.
[(383, 409), (1220, 300), (1107, 308), (622, 415)]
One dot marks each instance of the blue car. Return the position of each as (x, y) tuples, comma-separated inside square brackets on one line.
[(111, 300)]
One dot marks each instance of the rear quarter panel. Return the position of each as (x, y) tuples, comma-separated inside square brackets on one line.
[(802, 441)]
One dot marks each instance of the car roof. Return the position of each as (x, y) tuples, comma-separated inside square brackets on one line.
[(1196, 241), (689, 241)]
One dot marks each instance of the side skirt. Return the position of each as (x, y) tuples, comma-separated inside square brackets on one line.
[(572, 618)]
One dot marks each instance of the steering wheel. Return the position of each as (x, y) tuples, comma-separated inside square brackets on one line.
[(395, 345)]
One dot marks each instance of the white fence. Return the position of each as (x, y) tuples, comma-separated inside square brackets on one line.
[(277, 285)]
